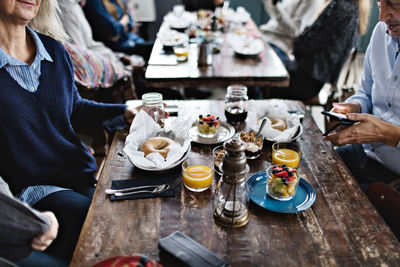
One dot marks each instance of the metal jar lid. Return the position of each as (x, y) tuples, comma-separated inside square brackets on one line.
[(234, 164)]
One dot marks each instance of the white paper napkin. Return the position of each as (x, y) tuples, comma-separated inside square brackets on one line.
[(257, 113), (144, 127)]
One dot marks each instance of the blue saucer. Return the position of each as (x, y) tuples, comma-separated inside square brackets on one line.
[(304, 198)]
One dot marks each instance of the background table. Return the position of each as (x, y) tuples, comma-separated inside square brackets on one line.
[(342, 228), (264, 70)]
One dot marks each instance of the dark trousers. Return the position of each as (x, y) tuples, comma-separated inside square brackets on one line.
[(70, 209), (301, 86), (365, 169)]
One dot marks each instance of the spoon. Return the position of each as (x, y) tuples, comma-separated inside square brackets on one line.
[(110, 191), (261, 126), (159, 189)]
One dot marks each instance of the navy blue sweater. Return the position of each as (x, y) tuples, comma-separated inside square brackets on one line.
[(38, 143)]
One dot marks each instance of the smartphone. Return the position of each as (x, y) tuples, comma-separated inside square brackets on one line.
[(340, 118)]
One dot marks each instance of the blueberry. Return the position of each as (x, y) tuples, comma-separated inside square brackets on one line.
[(286, 169), (217, 118), (212, 120), (275, 171), (201, 122), (290, 173), (208, 115), (284, 165), (211, 124), (200, 116), (285, 181)]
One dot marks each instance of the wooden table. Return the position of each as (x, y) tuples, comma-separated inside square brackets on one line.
[(342, 228), (264, 70)]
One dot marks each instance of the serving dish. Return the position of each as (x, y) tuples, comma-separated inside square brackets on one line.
[(304, 198), (226, 131)]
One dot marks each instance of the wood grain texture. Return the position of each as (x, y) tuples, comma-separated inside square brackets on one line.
[(342, 228)]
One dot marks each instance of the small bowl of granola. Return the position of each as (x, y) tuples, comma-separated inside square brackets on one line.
[(218, 156), (253, 144)]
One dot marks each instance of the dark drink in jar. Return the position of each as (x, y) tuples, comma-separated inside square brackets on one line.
[(236, 103), (235, 114)]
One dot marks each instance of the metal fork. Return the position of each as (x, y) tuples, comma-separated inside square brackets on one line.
[(157, 190)]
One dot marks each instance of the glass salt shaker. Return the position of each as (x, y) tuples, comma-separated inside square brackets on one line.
[(153, 104)]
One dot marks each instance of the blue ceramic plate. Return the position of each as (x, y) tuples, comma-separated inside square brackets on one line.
[(304, 198)]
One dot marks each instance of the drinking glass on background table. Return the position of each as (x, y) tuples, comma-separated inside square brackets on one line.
[(178, 10), (152, 103), (197, 174), (288, 153), (181, 52)]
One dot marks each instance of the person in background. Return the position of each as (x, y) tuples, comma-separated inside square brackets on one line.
[(194, 5), (113, 25), (288, 19), (44, 162), (371, 147), (321, 50)]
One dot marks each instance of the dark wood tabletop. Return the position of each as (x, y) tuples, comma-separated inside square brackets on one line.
[(266, 69), (342, 228)]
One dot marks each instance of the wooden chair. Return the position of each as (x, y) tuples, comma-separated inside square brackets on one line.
[(99, 139)]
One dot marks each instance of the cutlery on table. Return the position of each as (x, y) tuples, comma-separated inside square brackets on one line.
[(157, 189)]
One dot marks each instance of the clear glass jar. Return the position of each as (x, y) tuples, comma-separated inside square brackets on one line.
[(152, 103), (236, 103)]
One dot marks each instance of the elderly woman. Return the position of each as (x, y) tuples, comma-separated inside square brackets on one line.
[(44, 162)]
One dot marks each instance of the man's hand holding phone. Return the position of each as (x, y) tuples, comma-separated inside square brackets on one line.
[(368, 129), (338, 120)]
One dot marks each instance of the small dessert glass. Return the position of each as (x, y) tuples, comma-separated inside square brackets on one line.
[(197, 174), (253, 144), (218, 156), (208, 126), (288, 153), (282, 187)]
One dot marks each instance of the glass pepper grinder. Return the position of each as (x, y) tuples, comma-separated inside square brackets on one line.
[(231, 198)]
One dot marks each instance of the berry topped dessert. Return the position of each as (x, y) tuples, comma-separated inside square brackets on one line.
[(208, 126), (282, 182)]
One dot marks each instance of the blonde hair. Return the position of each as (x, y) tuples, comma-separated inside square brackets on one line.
[(47, 21), (364, 8), (111, 8)]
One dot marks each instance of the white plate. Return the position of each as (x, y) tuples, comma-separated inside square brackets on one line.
[(249, 48), (296, 135), (185, 155), (226, 131), (172, 38)]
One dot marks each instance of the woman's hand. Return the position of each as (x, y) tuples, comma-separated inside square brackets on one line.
[(369, 129), (130, 113), (125, 21), (41, 242)]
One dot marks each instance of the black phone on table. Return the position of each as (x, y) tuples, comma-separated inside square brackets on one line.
[(340, 118)]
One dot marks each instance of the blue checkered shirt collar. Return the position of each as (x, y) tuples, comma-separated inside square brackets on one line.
[(41, 52)]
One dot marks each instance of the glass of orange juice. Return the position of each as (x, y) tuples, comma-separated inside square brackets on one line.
[(286, 153), (197, 174), (181, 52)]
